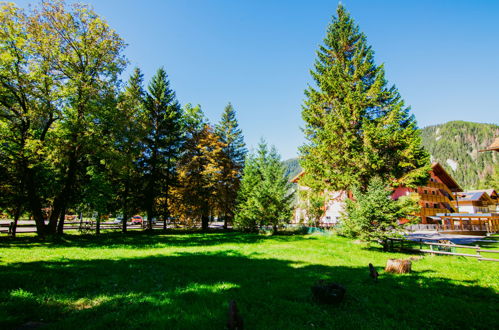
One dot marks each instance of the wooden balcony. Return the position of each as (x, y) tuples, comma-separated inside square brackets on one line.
[(434, 198), (439, 185)]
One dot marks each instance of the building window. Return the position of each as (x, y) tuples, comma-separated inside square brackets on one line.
[(425, 191), (427, 205), (435, 206), (433, 192)]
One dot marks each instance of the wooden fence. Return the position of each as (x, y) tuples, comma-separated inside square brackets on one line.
[(446, 249), (69, 225)]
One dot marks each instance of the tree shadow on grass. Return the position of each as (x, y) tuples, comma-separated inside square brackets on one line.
[(143, 240), (191, 291)]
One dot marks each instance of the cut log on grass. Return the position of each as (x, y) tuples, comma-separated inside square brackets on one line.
[(328, 292), (398, 266)]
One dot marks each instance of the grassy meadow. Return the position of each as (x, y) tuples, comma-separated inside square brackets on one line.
[(185, 281)]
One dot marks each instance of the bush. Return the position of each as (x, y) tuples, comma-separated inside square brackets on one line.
[(374, 216)]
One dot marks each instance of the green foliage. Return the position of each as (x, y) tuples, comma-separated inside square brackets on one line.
[(163, 141), (59, 68), (356, 126), (129, 132), (232, 136), (373, 215), (265, 196), (460, 142), (234, 151), (314, 204)]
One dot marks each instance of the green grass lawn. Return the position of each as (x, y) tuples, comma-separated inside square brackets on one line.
[(186, 280)]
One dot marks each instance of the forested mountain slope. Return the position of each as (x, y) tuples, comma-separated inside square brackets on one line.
[(456, 146), (292, 167)]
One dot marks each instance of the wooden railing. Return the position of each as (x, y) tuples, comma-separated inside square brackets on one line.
[(470, 223), (439, 185), (450, 248), (434, 198), (430, 211)]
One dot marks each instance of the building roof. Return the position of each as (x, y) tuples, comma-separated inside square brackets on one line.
[(442, 174), (491, 192), (473, 196), (297, 177), (494, 146)]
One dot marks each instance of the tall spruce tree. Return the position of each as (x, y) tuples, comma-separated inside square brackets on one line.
[(162, 143), (235, 151), (356, 126), (129, 133)]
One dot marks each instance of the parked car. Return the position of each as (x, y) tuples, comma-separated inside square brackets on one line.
[(137, 220), (118, 220)]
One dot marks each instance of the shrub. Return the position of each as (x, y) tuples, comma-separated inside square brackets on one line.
[(373, 215)]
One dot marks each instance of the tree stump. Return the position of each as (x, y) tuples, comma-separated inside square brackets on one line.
[(328, 293), (235, 321), (398, 266)]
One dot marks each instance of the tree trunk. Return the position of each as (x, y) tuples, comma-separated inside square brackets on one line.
[(125, 208), (274, 229), (17, 213), (62, 218), (123, 224), (81, 220), (225, 222), (97, 224), (166, 213), (204, 222), (61, 201), (35, 204)]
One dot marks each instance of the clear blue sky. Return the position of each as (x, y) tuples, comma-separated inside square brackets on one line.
[(442, 55)]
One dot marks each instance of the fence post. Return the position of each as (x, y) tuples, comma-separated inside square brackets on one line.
[(420, 243), (478, 250)]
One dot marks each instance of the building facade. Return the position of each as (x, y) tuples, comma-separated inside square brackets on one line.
[(476, 201), (436, 196)]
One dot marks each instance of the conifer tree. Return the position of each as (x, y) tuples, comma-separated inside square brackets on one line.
[(374, 216), (234, 153), (162, 142), (129, 133), (265, 196), (355, 125)]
